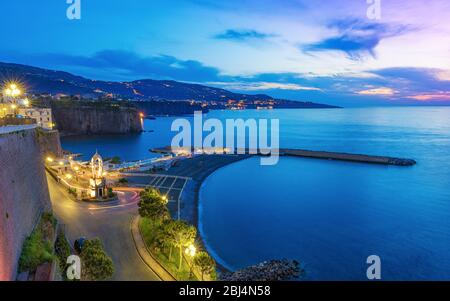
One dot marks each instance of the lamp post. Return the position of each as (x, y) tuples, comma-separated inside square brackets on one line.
[(12, 91), (190, 251)]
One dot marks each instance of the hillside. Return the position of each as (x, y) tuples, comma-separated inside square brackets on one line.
[(38, 80)]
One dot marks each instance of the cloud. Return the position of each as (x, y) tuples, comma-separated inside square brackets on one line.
[(261, 86), (389, 85), (242, 35), (378, 91), (441, 96), (357, 37), (443, 75)]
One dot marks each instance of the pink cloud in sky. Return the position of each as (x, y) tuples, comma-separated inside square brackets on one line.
[(378, 91), (441, 96)]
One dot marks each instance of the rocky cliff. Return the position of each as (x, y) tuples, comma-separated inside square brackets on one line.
[(23, 190), (86, 118), (163, 108)]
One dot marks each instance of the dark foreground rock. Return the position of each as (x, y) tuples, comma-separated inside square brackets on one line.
[(274, 270)]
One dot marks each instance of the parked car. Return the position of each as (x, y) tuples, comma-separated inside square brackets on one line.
[(78, 245)]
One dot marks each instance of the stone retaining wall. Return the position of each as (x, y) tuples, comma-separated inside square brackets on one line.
[(23, 191)]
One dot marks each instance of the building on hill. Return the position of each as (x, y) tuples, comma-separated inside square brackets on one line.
[(43, 116)]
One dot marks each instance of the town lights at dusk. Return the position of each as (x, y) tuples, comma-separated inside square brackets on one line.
[(224, 146)]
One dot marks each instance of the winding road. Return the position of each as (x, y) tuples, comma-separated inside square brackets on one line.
[(109, 222)]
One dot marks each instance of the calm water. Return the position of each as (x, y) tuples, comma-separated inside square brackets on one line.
[(328, 215)]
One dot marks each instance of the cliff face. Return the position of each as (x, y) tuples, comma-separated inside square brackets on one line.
[(172, 108), (23, 191), (86, 119)]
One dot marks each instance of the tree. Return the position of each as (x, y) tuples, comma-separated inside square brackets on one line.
[(182, 235), (164, 239), (205, 263), (115, 160), (152, 195), (153, 206), (96, 264)]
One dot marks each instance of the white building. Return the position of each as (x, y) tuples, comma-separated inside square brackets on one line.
[(43, 116)]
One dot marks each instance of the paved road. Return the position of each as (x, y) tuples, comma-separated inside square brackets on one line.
[(110, 223)]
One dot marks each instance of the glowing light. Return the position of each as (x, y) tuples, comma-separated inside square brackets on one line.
[(26, 102), (191, 250), (61, 163), (141, 115), (50, 159), (68, 176), (13, 90)]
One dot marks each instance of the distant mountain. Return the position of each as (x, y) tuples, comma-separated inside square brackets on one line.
[(38, 80)]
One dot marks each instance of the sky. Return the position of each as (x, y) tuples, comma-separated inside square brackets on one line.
[(342, 52)]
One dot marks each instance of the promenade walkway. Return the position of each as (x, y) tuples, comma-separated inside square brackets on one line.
[(145, 254)]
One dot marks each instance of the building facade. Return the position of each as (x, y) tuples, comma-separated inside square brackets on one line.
[(43, 116)]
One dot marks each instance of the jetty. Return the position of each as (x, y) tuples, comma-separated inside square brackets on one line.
[(359, 158)]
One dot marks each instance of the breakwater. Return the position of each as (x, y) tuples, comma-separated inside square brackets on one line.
[(360, 158)]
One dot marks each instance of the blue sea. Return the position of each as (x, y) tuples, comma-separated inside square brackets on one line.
[(328, 215)]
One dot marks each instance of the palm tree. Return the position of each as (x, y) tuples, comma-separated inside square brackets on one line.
[(165, 238), (182, 235), (205, 263)]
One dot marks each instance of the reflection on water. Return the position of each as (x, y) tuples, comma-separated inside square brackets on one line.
[(329, 215)]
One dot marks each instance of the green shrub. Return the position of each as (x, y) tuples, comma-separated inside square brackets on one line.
[(111, 193), (62, 249), (96, 264), (123, 181), (37, 248), (35, 252), (72, 191), (115, 160)]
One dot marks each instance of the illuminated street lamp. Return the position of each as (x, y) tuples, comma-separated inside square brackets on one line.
[(12, 90), (191, 251)]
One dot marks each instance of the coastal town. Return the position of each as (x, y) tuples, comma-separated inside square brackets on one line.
[(85, 201)]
